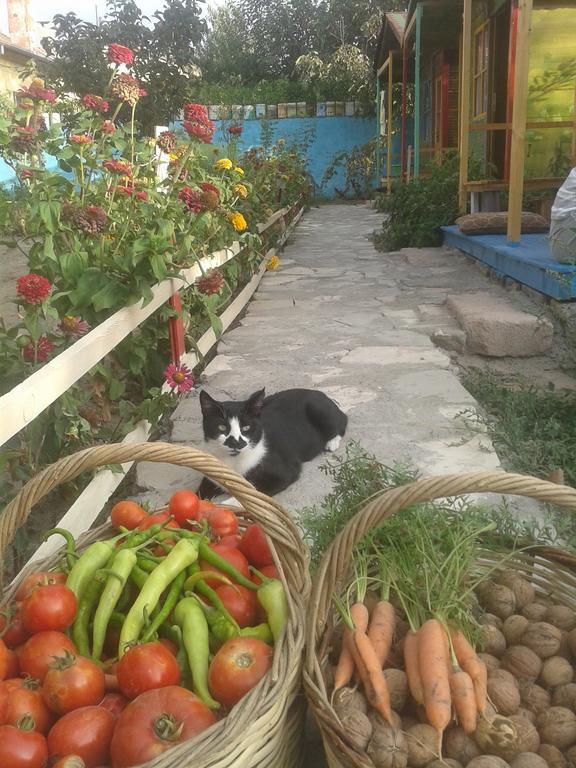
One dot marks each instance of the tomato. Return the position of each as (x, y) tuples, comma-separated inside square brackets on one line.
[(127, 514), (156, 721), (158, 517), (255, 547), (38, 579), (12, 664), (147, 666), (4, 657), (240, 602), (183, 506), (230, 541), (12, 629), (234, 556), (70, 761), (22, 748), (222, 522), (86, 732), (50, 607), (237, 667), (20, 697), (73, 682), (114, 703), (172, 647), (37, 653)]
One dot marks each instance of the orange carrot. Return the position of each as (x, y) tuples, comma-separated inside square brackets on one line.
[(475, 667), (375, 688), (381, 629), (412, 666), (345, 667), (434, 673), (464, 699)]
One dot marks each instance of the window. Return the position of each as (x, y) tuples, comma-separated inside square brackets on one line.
[(480, 80)]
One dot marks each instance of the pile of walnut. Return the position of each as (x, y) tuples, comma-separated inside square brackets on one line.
[(529, 644)]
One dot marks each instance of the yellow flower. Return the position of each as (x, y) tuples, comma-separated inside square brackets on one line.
[(38, 82), (273, 262), (224, 163), (173, 157), (241, 190), (239, 170), (238, 221)]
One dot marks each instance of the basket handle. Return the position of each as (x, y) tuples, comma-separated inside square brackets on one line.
[(273, 518), (337, 557)]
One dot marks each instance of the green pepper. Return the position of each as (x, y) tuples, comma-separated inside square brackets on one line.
[(189, 615), (70, 550), (137, 538), (175, 635), (146, 564), (138, 576), (183, 554), (122, 564), (169, 602), (211, 595), (213, 558), (272, 598), (261, 631), (86, 606), (91, 560)]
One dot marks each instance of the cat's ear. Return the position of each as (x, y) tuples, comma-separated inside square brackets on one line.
[(209, 406), (255, 402)]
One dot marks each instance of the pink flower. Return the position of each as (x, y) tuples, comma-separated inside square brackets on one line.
[(119, 54), (200, 131), (33, 288), (192, 199), (73, 325), (178, 377), (96, 103), (108, 126), (81, 139), (196, 112), (41, 351), (118, 166), (141, 195), (143, 93), (39, 93)]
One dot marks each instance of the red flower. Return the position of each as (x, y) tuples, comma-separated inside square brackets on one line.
[(211, 282), (119, 54), (118, 166), (141, 195), (196, 112), (39, 93), (192, 199), (41, 351), (96, 103), (81, 139), (207, 187), (27, 174), (108, 126), (22, 139), (166, 141), (90, 219), (235, 129), (200, 131), (178, 377), (73, 325), (33, 288)]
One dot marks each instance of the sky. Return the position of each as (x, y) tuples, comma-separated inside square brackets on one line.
[(44, 10)]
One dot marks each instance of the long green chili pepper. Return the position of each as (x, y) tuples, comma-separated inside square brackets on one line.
[(211, 595), (194, 578), (138, 576), (170, 601), (175, 634), (117, 619), (90, 561), (137, 538), (70, 550), (146, 564), (183, 554), (123, 562), (86, 607), (213, 558), (261, 631), (189, 615), (272, 598)]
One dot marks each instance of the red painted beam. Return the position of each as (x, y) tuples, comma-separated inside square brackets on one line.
[(176, 330)]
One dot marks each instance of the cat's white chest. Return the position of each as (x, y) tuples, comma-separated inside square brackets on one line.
[(243, 462)]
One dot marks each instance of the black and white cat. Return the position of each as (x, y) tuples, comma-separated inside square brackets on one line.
[(266, 439)]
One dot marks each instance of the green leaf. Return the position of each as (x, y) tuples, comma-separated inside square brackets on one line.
[(49, 248), (72, 265), (158, 267), (215, 322), (111, 295), (88, 284), (49, 213), (116, 389)]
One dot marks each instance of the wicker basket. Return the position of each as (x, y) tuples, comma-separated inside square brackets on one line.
[(265, 730), (551, 570)]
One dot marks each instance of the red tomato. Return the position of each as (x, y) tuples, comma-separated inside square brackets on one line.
[(158, 517), (255, 547), (127, 514), (114, 703), (230, 541), (156, 721), (4, 657), (20, 697), (183, 505), (240, 602), (12, 629), (50, 607), (86, 732), (38, 579), (147, 666), (37, 653), (234, 556), (22, 748), (268, 570), (73, 682), (70, 761), (172, 647), (237, 667), (12, 665), (222, 522)]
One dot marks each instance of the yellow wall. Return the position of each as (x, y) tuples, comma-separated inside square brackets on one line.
[(10, 64)]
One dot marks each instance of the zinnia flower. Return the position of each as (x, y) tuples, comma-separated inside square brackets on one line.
[(143, 93), (96, 103), (40, 351), (192, 199), (108, 126), (241, 190), (33, 288), (22, 139), (37, 92), (90, 219), (211, 282), (238, 221), (118, 166), (235, 129), (119, 54), (125, 88), (178, 377), (200, 131), (81, 139), (73, 325), (239, 170), (211, 196), (166, 141), (196, 112), (273, 262), (224, 163)]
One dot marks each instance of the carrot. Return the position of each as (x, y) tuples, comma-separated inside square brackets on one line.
[(434, 673), (345, 667), (412, 666), (475, 667), (375, 685), (381, 629), (464, 699)]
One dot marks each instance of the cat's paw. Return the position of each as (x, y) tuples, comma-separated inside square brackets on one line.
[(334, 444)]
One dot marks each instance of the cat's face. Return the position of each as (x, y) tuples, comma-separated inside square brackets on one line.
[(236, 425)]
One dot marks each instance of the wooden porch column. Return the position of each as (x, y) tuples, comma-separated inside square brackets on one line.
[(519, 120), (419, 11), (465, 103), (404, 107), (389, 133)]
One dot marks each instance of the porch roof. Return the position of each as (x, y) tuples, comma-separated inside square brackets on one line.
[(441, 24)]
